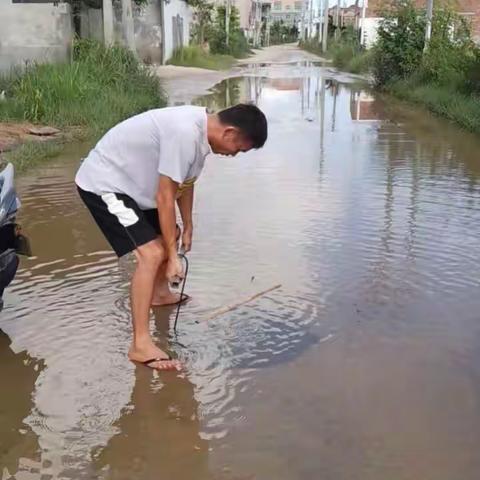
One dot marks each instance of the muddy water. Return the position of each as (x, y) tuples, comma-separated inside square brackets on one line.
[(365, 365)]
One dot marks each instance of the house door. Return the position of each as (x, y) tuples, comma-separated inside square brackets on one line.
[(177, 32)]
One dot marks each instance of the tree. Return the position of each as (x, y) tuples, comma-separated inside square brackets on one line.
[(281, 33), (203, 12), (401, 39), (237, 44)]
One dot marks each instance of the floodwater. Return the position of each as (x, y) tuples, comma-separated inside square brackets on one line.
[(364, 365)]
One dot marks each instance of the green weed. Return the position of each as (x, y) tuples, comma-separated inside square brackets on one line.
[(194, 56)]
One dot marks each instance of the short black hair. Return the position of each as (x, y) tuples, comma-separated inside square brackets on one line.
[(249, 119)]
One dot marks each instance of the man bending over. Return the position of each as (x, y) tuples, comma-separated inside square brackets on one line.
[(133, 178)]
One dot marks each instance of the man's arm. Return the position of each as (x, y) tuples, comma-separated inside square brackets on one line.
[(185, 205), (167, 190)]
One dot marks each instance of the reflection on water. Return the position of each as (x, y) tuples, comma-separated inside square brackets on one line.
[(363, 365), (158, 431), (18, 444)]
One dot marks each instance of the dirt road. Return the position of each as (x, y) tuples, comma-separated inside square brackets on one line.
[(183, 84)]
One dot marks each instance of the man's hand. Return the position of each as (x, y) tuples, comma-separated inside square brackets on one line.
[(174, 271), (167, 189), (187, 239), (185, 205)]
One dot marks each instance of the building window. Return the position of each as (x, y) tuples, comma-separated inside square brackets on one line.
[(288, 7), (277, 5), (298, 6)]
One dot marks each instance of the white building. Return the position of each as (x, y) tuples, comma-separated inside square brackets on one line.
[(43, 31), (40, 32), (287, 11)]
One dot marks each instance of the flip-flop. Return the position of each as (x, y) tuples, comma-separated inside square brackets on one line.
[(159, 359), (185, 298)]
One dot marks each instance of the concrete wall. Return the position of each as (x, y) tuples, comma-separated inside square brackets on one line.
[(91, 23), (118, 30), (44, 31), (34, 32), (171, 10), (148, 30)]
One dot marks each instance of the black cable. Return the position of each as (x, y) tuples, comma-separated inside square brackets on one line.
[(184, 257)]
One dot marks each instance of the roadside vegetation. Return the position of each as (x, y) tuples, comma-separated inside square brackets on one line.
[(33, 153), (282, 33), (97, 89), (345, 51), (196, 56), (210, 46), (443, 76)]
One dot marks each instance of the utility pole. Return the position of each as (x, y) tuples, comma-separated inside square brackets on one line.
[(310, 22), (362, 30), (320, 15), (325, 27), (127, 24), (227, 21), (337, 20), (341, 14), (258, 22), (302, 22), (163, 60), (428, 30), (267, 30), (107, 12)]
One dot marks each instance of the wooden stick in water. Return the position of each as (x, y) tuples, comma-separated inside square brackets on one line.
[(228, 308)]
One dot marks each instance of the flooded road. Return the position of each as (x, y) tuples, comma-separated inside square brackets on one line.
[(364, 365)]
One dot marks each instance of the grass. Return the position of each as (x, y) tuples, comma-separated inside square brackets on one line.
[(361, 63), (312, 46), (97, 89), (348, 57), (460, 108), (32, 153), (345, 55), (194, 56)]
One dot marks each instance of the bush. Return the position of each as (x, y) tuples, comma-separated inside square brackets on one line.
[(449, 55), (237, 44), (99, 88), (472, 83), (401, 39), (202, 19), (361, 63), (346, 52), (281, 33), (450, 58), (342, 53)]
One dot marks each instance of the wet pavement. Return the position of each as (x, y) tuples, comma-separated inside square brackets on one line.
[(364, 365)]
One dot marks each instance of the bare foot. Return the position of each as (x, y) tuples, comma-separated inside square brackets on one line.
[(171, 298), (153, 357)]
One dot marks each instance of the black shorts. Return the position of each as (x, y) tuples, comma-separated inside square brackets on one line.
[(125, 225)]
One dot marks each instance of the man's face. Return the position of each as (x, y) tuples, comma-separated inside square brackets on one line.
[(230, 141)]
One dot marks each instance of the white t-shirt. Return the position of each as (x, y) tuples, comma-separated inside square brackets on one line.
[(132, 155)]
